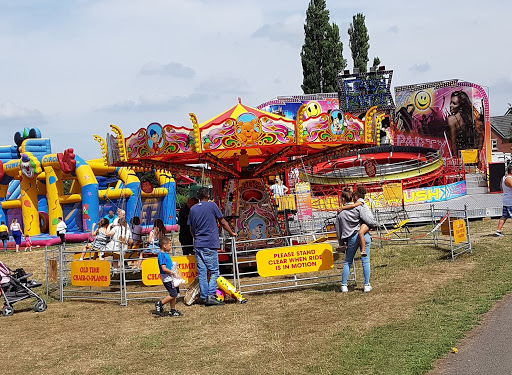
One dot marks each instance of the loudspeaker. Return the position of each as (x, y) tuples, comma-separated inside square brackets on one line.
[(496, 173)]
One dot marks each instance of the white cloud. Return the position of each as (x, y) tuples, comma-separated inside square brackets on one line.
[(16, 116), (394, 29), (420, 68), (75, 66), (288, 31), (173, 69)]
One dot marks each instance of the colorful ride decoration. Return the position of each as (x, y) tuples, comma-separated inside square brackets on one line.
[(450, 116), (256, 218), (268, 140), (238, 148), (32, 190)]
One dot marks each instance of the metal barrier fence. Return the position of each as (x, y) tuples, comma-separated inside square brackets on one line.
[(248, 280), (446, 228), (63, 258), (125, 274)]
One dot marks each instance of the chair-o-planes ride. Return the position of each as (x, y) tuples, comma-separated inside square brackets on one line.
[(239, 150)]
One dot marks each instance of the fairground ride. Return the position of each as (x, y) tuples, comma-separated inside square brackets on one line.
[(239, 150)]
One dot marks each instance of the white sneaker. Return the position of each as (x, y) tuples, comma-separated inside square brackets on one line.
[(367, 288), (344, 289), (498, 234)]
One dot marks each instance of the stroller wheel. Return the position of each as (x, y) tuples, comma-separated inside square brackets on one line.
[(40, 306), (7, 311)]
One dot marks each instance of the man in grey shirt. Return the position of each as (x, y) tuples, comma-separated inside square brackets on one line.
[(348, 223)]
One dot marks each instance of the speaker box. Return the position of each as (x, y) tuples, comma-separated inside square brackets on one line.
[(496, 173)]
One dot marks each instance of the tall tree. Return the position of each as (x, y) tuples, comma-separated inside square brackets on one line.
[(376, 62), (336, 63), (358, 41), (322, 52)]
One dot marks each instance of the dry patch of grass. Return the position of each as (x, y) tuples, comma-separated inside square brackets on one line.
[(295, 332)]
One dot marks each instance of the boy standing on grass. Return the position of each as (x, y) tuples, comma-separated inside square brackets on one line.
[(165, 265)]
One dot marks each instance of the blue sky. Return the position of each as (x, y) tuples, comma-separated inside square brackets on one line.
[(74, 67)]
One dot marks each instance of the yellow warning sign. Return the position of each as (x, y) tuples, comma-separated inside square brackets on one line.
[(459, 231), (90, 273), (297, 259)]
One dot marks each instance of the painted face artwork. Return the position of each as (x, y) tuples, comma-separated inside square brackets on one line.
[(27, 166), (454, 105)]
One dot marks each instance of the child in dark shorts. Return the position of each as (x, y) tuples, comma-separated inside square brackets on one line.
[(166, 274)]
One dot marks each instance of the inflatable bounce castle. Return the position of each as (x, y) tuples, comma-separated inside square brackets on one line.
[(32, 191)]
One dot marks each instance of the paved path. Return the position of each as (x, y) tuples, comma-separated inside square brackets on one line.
[(487, 350)]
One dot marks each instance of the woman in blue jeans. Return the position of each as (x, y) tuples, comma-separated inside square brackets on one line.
[(348, 223)]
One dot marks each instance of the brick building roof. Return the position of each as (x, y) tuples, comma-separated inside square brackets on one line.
[(502, 124)]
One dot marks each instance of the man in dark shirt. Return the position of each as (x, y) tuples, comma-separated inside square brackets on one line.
[(203, 220), (186, 239)]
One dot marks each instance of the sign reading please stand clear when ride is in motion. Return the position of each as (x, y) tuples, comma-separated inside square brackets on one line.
[(296, 259)]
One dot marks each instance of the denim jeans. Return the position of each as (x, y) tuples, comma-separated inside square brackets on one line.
[(207, 260), (352, 246)]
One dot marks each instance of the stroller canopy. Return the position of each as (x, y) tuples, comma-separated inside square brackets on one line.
[(4, 274)]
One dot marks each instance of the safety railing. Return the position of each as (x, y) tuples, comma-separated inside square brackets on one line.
[(249, 279), (442, 228), (381, 169), (125, 273)]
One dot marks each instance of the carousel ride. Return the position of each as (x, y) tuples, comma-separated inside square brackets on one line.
[(239, 150)]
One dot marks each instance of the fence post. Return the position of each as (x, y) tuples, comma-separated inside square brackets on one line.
[(466, 219), (46, 264), (122, 276), (433, 217), (61, 272), (450, 229), (234, 258)]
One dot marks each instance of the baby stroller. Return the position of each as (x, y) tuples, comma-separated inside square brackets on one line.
[(15, 286)]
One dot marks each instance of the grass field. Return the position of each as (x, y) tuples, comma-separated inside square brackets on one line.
[(422, 304)]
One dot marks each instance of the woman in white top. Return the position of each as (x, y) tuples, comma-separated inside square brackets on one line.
[(16, 233), (121, 237)]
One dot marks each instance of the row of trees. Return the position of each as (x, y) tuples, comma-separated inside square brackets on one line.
[(322, 52)]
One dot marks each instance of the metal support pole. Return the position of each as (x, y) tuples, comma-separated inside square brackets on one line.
[(466, 219), (433, 217), (236, 271), (46, 263), (61, 273), (122, 276), (450, 229)]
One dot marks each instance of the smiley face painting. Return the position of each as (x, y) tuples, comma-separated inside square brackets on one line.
[(313, 109), (422, 100)]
